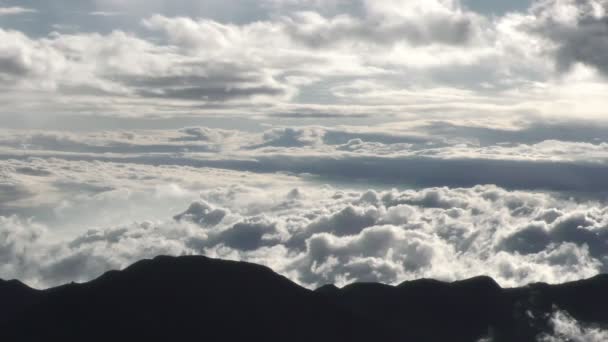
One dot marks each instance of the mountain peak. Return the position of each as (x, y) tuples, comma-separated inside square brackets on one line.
[(198, 298)]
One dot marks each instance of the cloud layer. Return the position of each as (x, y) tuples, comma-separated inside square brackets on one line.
[(476, 121), (330, 236), (75, 204), (403, 56), (560, 156)]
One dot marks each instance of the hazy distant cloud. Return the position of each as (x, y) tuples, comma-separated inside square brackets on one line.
[(15, 11), (292, 137), (105, 14), (423, 154)]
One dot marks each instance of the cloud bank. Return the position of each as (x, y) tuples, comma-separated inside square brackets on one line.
[(331, 236), (400, 57)]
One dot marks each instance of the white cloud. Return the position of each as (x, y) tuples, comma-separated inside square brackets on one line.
[(15, 10), (318, 236), (568, 329), (404, 56), (434, 153)]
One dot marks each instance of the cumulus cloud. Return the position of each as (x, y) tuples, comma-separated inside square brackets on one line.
[(317, 82), (129, 69), (389, 22), (567, 328), (325, 236), (203, 214), (300, 57), (576, 29)]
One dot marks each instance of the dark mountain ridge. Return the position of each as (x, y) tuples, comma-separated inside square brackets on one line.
[(201, 299)]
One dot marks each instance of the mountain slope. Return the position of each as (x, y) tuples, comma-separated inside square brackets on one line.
[(200, 299)]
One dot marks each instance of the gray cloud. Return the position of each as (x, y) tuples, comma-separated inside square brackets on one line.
[(386, 24), (202, 214), (250, 235), (291, 137), (578, 30), (421, 155)]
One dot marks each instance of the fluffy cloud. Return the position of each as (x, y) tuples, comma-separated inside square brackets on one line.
[(388, 22), (576, 29), (567, 328), (357, 94), (128, 69), (400, 57), (330, 236)]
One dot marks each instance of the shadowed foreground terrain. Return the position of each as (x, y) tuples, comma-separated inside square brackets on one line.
[(201, 299)]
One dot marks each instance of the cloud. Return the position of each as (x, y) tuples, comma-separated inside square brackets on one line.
[(422, 154), (362, 58), (576, 29), (100, 67), (318, 236), (250, 235), (4, 11), (105, 14), (567, 328), (388, 23), (202, 214), (292, 137), (407, 58), (100, 200)]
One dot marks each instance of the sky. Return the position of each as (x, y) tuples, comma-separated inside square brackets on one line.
[(334, 141)]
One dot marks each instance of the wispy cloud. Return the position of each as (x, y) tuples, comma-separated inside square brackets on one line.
[(15, 10), (106, 14)]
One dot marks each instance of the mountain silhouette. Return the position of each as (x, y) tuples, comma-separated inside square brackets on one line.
[(195, 298)]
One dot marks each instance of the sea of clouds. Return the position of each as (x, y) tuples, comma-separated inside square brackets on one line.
[(317, 205)]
